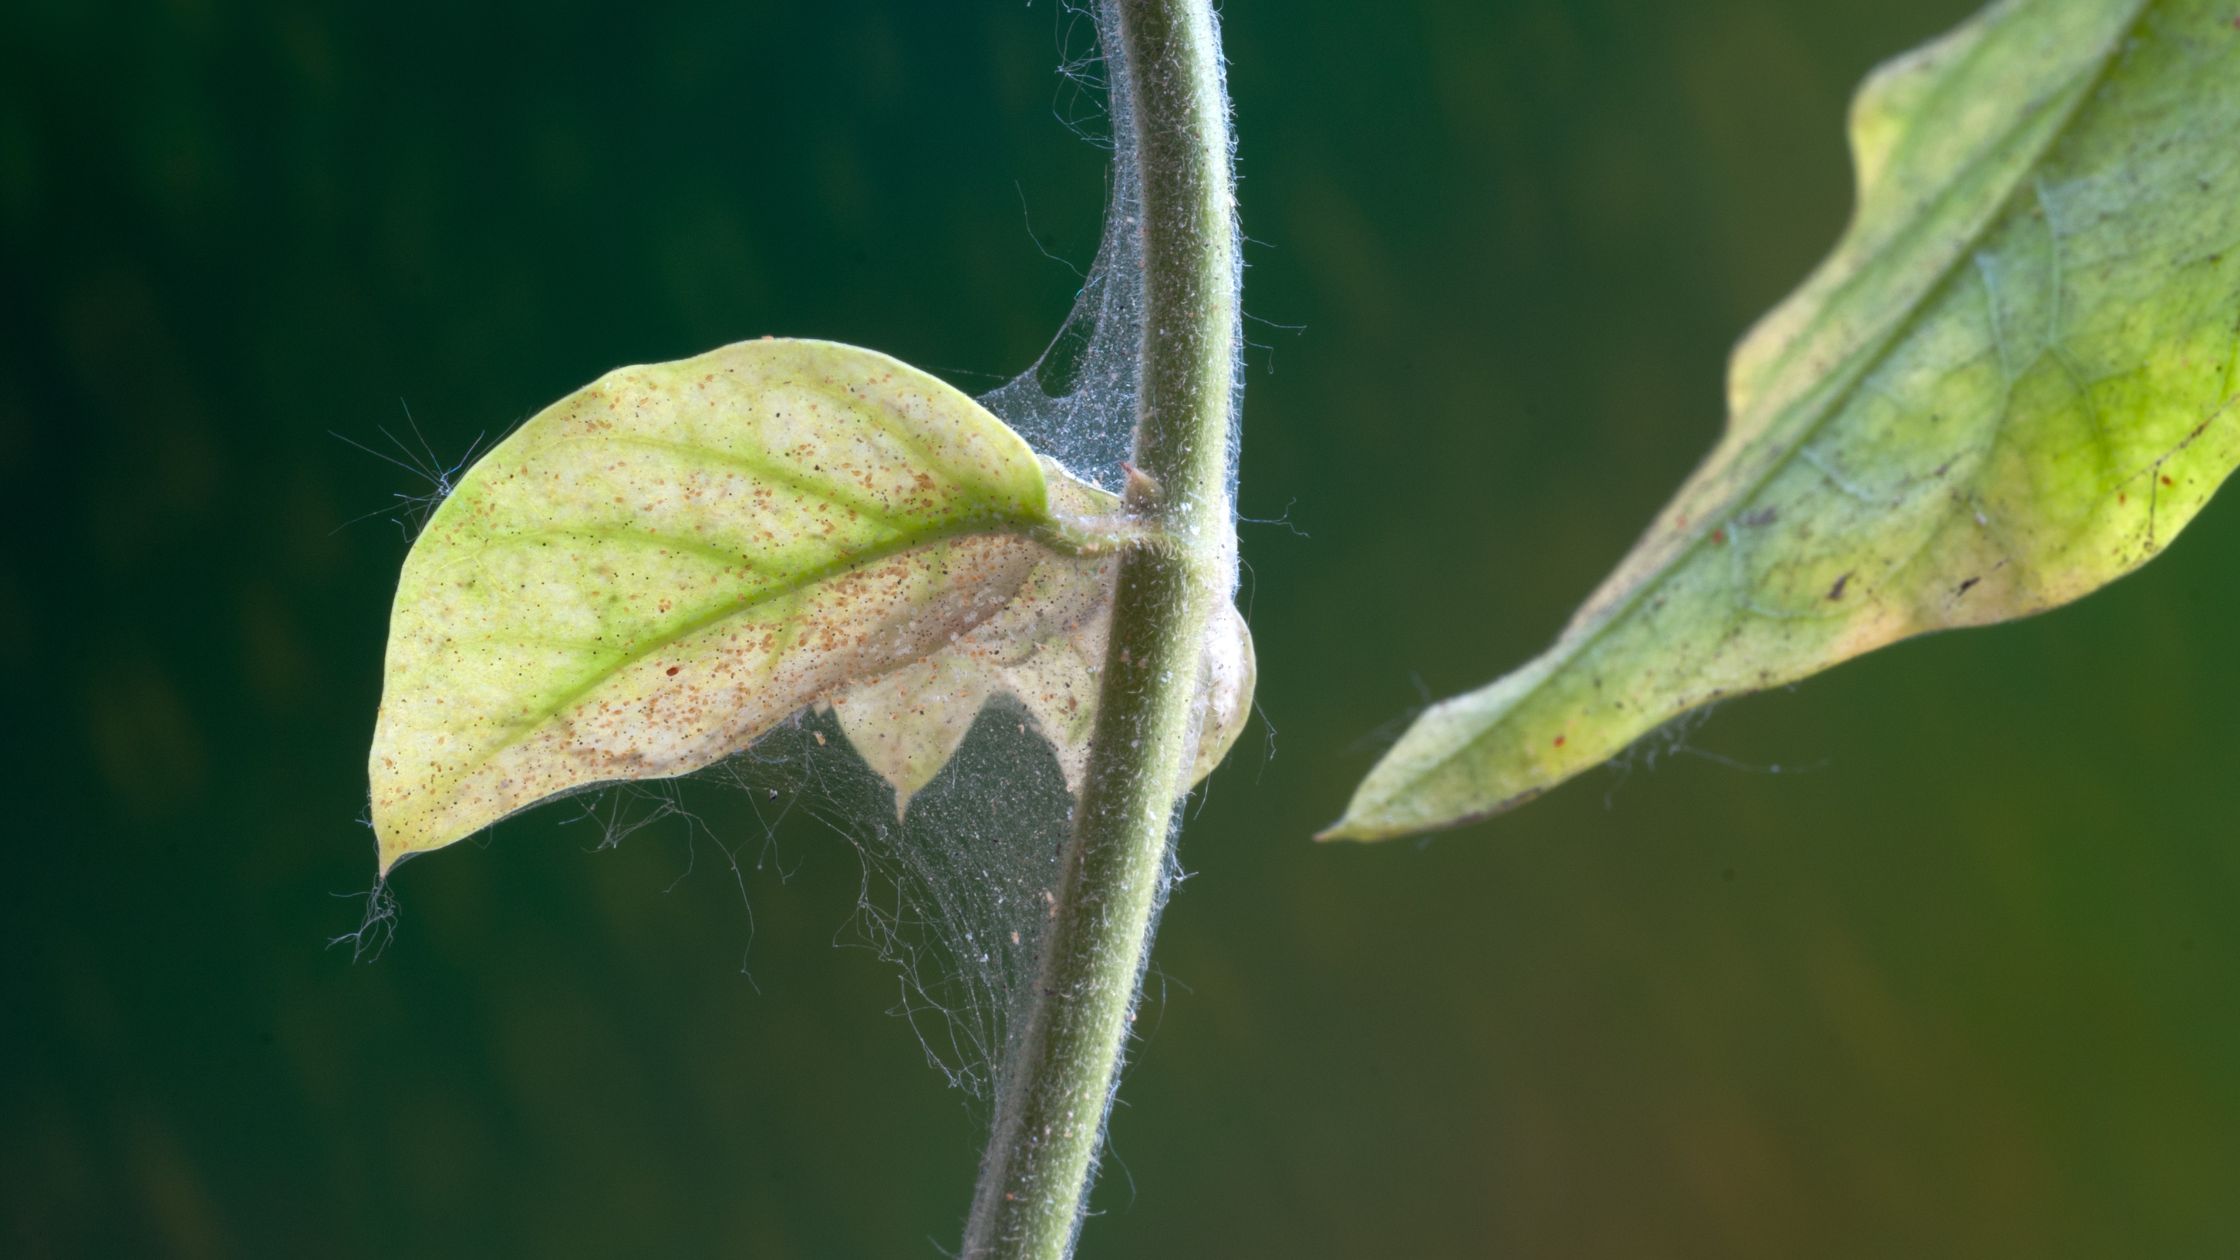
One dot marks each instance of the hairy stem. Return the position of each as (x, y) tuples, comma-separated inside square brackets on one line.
[(1035, 1178)]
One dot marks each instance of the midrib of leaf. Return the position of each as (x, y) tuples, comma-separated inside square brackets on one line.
[(1845, 378), (1919, 224), (778, 591)]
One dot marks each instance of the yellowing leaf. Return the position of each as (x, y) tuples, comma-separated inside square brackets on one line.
[(2016, 379), (665, 564), (1046, 648)]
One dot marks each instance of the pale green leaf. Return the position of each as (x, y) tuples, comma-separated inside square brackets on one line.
[(2016, 379), (657, 569)]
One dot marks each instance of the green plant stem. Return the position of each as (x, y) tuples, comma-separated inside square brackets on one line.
[(1049, 1121)]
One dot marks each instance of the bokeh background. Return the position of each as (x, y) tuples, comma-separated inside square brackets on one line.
[(1959, 981)]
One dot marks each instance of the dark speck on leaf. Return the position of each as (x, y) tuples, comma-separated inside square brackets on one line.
[(1762, 517), (1965, 585), (1836, 591)]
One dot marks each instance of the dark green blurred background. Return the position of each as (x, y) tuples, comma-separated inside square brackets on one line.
[(1965, 988)]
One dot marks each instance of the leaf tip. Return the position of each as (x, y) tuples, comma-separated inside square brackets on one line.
[(389, 849), (1365, 823)]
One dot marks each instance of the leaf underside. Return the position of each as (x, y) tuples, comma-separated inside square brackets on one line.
[(664, 565), (2016, 378), (1046, 648)]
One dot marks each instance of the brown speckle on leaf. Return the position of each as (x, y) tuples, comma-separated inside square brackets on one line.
[(1836, 591)]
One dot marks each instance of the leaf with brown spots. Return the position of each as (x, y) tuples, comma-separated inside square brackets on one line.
[(2016, 379), (660, 567)]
